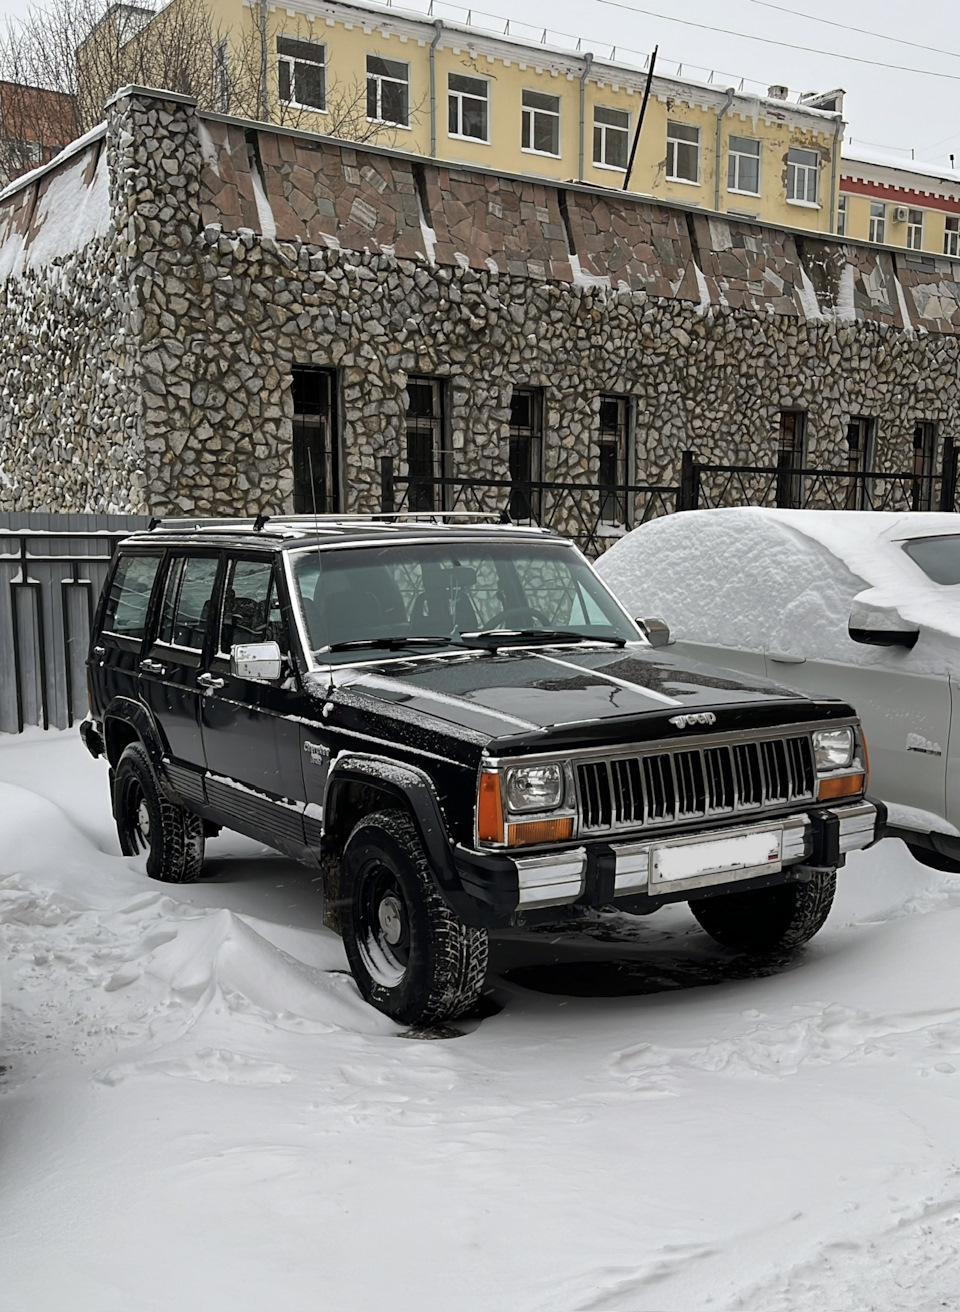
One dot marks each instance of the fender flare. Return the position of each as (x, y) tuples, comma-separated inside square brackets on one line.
[(414, 790), (136, 715)]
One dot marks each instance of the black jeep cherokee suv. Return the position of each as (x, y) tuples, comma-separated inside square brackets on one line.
[(459, 725)]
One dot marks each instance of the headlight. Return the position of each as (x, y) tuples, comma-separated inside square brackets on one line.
[(534, 787), (833, 748)]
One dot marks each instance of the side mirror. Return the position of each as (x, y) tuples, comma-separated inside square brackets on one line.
[(260, 661), (881, 626), (656, 632)]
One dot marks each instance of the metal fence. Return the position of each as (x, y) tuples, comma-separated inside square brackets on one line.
[(52, 568)]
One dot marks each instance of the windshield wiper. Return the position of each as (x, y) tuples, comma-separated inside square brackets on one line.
[(392, 644), (506, 637)]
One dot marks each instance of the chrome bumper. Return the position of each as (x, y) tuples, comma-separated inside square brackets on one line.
[(559, 878)]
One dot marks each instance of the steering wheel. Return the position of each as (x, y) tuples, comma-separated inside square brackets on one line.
[(519, 617)]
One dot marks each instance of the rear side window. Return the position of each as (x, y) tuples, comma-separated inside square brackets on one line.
[(251, 608), (129, 597), (186, 601)]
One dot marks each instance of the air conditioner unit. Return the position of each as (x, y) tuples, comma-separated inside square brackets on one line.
[(901, 213)]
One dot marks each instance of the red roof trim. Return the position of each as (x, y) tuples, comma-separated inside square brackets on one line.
[(895, 195)]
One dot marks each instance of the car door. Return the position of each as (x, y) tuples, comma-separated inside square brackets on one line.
[(250, 727), (173, 662), (115, 654)]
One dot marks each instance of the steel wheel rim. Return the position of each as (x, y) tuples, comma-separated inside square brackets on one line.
[(138, 814), (383, 926)]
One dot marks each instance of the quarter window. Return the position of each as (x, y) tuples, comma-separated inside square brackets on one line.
[(611, 137), (683, 152), (743, 166), (129, 596), (388, 91), (803, 176), (186, 601), (301, 72), (468, 107), (951, 235), (878, 220), (540, 129), (915, 230)]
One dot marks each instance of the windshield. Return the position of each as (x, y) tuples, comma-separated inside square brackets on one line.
[(404, 592), (939, 558)]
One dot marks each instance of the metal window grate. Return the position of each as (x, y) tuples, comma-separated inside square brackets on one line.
[(692, 783)]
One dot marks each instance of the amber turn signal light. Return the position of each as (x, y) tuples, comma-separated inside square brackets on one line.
[(489, 810), (541, 831), (845, 786)]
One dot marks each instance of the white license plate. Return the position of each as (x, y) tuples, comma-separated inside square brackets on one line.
[(713, 856)]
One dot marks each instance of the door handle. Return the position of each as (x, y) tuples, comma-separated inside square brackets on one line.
[(210, 681), (152, 667)]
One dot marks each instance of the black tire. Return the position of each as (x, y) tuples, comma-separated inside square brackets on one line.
[(148, 822), (935, 860), (411, 957), (765, 920)]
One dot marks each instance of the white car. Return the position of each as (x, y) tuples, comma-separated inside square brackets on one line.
[(862, 605)]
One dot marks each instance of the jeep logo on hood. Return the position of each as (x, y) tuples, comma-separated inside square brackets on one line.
[(697, 717)]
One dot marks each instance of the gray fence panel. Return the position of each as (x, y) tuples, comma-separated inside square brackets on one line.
[(52, 568)]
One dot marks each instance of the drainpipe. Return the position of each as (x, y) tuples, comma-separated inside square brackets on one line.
[(833, 174), (730, 93), (264, 102), (438, 25), (587, 61)]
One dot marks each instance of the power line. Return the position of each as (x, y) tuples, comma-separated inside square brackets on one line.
[(861, 31)]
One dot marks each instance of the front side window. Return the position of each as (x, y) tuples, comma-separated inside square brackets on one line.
[(447, 591), (878, 220), (803, 176), (468, 107), (388, 91), (914, 230), (186, 601), (939, 558), (743, 166), (683, 152), (251, 608), (611, 137), (301, 72), (540, 130), (951, 235), (129, 596)]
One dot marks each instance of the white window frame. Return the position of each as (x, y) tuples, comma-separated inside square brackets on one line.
[(459, 97), (600, 159), (290, 61), (799, 174), (528, 126), (951, 236), (842, 216), (878, 222), (672, 153), (734, 156), (914, 230), (379, 79)]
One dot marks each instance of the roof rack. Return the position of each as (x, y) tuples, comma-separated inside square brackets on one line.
[(281, 525)]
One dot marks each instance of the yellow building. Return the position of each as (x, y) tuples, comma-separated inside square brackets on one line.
[(465, 95), (900, 203)]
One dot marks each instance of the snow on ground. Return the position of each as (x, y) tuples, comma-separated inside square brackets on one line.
[(197, 1109)]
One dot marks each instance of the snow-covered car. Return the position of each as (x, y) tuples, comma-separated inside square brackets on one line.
[(861, 605)]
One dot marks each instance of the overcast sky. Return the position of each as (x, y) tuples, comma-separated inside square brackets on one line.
[(888, 109)]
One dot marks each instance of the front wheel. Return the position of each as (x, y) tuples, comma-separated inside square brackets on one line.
[(411, 957), (768, 919), (149, 824)]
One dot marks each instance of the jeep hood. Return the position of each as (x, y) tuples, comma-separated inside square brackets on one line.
[(577, 694)]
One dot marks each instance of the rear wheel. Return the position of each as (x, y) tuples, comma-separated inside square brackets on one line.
[(768, 919), (411, 956), (149, 824)]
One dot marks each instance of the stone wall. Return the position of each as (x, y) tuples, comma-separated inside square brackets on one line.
[(235, 252)]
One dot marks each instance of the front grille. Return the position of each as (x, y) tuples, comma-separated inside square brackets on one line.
[(693, 783)]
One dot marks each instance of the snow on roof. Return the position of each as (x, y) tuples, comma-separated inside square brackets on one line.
[(785, 580), (881, 159)]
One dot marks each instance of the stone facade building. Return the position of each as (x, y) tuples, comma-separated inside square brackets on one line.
[(207, 315)]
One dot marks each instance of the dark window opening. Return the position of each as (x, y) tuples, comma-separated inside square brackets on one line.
[(526, 445), (614, 457), (426, 445), (924, 461), (860, 450), (316, 463), (790, 451)]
